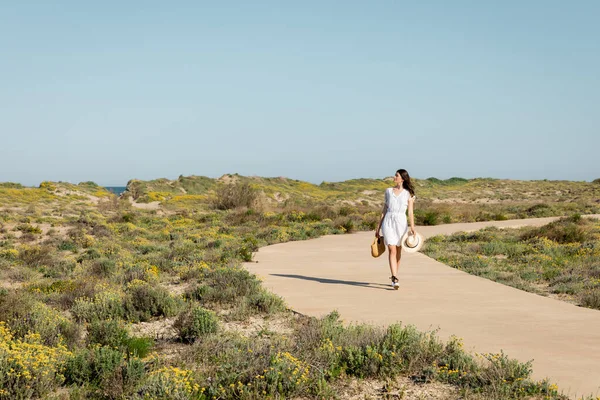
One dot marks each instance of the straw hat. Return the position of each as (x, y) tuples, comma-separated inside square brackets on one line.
[(412, 243)]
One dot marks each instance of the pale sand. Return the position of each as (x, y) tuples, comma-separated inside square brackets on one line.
[(338, 273), (153, 205)]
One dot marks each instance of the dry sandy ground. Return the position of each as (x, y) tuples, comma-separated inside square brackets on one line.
[(153, 205)]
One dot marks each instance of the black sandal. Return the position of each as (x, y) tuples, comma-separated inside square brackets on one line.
[(395, 284)]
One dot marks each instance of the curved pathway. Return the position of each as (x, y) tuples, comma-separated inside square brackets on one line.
[(338, 273)]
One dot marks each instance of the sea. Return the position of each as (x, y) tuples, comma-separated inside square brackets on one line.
[(116, 189)]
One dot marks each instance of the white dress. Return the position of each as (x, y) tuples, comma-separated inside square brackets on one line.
[(394, 224)]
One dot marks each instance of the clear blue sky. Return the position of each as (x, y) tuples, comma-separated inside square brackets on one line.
[(312, 90)]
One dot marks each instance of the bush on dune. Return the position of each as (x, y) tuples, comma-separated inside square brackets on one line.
[(234, 195), (565, 230)]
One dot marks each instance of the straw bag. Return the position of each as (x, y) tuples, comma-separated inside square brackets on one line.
[(378, 247)]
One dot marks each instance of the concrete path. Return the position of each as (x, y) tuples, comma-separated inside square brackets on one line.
[(338, 273)]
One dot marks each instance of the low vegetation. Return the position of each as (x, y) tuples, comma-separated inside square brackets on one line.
[(438, 201), (561, 259), (100, 299)]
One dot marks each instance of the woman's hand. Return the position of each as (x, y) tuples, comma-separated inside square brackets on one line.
[(377, 233), (412, 231)]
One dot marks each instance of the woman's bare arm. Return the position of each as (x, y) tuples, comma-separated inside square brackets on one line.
[(411, 214), (383, 212)]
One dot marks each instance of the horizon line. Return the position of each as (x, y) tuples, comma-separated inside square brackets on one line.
[(301, 180)]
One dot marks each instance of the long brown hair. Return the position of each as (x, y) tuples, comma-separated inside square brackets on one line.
[(406, 184)]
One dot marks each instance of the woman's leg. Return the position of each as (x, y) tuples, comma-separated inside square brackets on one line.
[(398, 256), (393, 259)]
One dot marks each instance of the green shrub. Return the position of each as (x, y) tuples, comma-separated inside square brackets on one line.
[(59, 268), (11, 185), (184, 251), (345, 211), (77, 368), (225, 285), (251, 243), (92, 366), (235, 195), (591, 298), (322, 212), (245, 254), (28, 228), (195, 322), (346, 224), (104, 267), (106, 369), (447, 182), (134, 371), (426, 217), (175, 383), (499, 217), (67, 245), (106, 304), (565, 230), (111, 333), (72, 290), (500, 368), (138, 346), (23, 314), (88, 254), (36, 256), (145, 300), (140, 271), (456, 181), (540, 210), (265, 302)]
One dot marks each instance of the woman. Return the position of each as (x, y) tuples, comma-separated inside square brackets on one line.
[(393, 222)]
